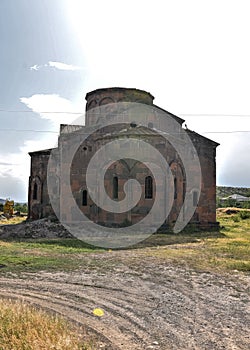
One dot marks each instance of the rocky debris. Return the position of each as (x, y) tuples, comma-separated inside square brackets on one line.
[(43, 228)]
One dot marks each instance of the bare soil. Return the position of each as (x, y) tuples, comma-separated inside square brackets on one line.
[(147, 303)]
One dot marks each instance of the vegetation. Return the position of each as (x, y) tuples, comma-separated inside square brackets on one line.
[(12, 221), (225, 191), (225, 251), (232, 203), (21, 207), (23, 327), (43, 254)]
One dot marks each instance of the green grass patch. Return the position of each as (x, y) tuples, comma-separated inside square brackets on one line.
[(43, 254), (226, 250)]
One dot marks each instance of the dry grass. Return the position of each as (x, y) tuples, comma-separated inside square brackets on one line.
[(228, 209), (13, 221), (229, 250), (22, 327)]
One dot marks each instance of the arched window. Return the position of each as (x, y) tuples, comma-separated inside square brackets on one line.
[(35, 190), (84, 198), (175, 188), (148, 187), (115, 187)]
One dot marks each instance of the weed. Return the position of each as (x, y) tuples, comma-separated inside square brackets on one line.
[(22, 327), (236, 218)]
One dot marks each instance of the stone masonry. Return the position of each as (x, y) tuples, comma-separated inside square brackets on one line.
[(120, 171)]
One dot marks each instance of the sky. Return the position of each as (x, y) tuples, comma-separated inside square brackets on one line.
[(192, 56)]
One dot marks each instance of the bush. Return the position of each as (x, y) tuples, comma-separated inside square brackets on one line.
[(246, 205), (22, 208), (244, 214)]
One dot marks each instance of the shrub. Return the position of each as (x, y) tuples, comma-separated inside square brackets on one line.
[(244, 214), (22, 208)]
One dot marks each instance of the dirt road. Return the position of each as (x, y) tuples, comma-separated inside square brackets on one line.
[(147, 304)]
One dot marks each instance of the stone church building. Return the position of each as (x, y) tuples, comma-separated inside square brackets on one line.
[(120, 171)]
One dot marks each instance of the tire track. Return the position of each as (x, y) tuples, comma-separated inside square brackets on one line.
[(116, 329), (151, 307)]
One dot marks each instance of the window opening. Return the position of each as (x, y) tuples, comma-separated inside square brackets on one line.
[(175, 188), (84, 198), (35, 190), (148, 187), (115, 187)]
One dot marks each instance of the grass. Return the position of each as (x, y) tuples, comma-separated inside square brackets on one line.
[(226, 250), (229, 250), (43, 254), (12, 221), (25, 328), (22, 327)]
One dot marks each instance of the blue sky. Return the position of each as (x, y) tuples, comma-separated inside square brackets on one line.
[(193, 56)]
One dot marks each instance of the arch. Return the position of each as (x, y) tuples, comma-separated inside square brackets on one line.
[(115, 187), (36, 189), (91, 104), (105, 101), (179, 180), (148, 187)]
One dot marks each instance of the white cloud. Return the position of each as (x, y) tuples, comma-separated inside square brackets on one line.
[(57, 65), (15, 168), (55, 108), (63, 66), (17, 164), (35, 67)]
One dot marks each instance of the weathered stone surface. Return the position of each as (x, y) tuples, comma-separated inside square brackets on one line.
[(124, 169)]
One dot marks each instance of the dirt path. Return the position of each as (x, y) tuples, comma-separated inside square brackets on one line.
[(150, 305)]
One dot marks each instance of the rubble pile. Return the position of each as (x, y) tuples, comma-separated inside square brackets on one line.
[(43, 228)]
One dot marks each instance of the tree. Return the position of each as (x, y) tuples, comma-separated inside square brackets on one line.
[(22, 208)]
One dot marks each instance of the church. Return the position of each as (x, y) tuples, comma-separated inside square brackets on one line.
[(141, 131)]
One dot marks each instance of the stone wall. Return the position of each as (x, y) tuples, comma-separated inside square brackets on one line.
[(39, 202), (38, 199)]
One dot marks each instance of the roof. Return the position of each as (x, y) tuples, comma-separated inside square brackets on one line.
[(117, 89), (41, 152), (178, 119), (195, 134), (237, 197)]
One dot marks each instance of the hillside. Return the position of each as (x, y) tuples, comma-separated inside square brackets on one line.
[(223, 191)]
